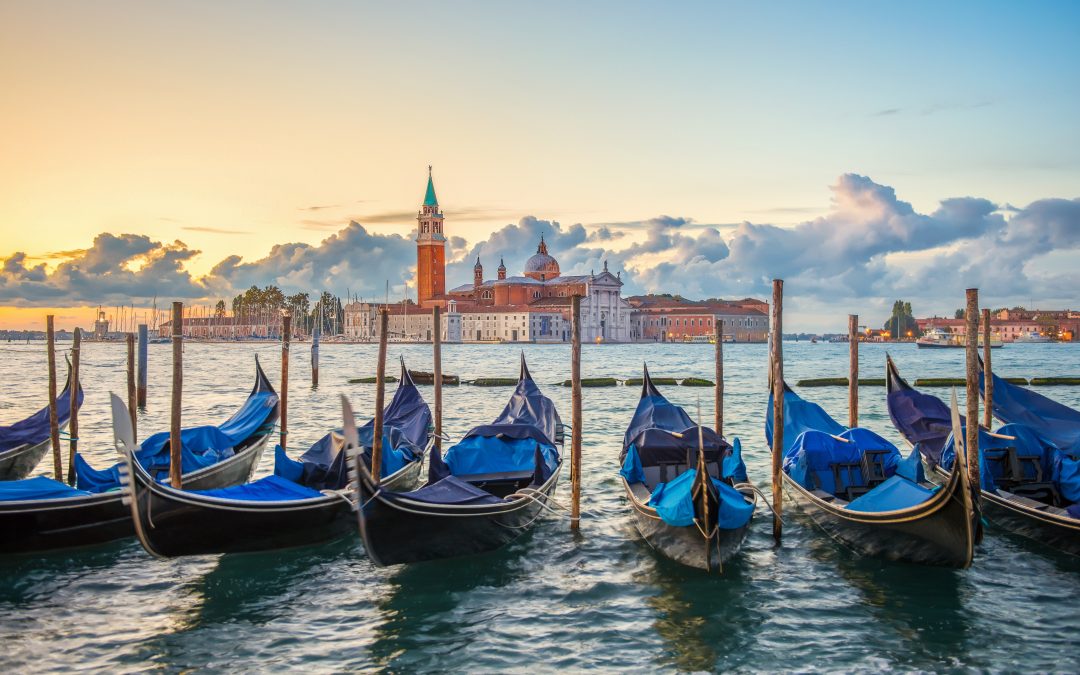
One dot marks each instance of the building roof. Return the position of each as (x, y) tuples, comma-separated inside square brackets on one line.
[(429, 197), (702, 310), (505, 309), (518, 280)]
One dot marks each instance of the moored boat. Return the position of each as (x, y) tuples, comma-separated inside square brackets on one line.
[(491, 487), (1029, 485), (24, 443), (699, 523), (857, 487), (304, 502), (41, 514)]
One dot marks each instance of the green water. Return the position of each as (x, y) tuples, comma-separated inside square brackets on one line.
[(550, 601)]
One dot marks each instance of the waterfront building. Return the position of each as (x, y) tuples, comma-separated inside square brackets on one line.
[(226, 327), (665, 318), (1012, 325)]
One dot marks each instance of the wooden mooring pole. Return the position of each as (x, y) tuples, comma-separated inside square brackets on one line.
[(73, 389), (853, 370), (777, 375), (54, 424), (988, 378), (436, 348), (315, 358), (718, 404), (380, 396), (283, 396), (971, 313), (131, 389), (140, 382), (175, 445), (575, 406)]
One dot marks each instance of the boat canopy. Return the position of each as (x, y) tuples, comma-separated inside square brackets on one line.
[(922, 419), (35, 429), (1015, 404)]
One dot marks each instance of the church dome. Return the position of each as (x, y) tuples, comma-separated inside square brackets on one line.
[(542, 266)]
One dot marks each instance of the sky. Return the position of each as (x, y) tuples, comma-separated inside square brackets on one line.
[(865, 152)]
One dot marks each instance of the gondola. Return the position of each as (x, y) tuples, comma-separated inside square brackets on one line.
[(1029, 485), (698, 523), (24, 443), (856, 486), (490, 488), (304, 502), (41, 514)]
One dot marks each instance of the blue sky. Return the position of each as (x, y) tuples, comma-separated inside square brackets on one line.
[(192, 132)]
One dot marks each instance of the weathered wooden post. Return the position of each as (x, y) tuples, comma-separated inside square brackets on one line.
[(315, 358), (286, 339), (988, 378), (777, 374), (380, 395), (131, 397), (575, 406), (54, 424), (972, 421), (175, 444), (436, 348), (140, 383), (853, 370), (73, 388), (718, 405)]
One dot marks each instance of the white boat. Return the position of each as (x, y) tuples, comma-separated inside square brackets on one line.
[(1033, 337), (937, 338)]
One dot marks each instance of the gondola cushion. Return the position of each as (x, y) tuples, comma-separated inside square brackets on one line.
[(268, 489), (674, 502), (451, 490), (894, 494), (36, 488), (809, 461), (498, 454)]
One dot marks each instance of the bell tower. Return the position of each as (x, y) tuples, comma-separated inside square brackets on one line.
[(430, 247)]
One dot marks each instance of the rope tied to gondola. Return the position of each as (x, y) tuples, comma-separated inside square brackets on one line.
[(761, 494)]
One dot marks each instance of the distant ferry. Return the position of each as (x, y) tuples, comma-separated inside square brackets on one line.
[(1034, 337), (936, 338)]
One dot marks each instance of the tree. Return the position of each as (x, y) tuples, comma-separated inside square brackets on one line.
[(902, 322), (219, 309), (959, 314)]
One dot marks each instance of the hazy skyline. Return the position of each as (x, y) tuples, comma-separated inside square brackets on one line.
[(900, 151)]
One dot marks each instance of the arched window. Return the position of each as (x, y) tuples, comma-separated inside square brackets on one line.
[(485, 295), (536, 294)]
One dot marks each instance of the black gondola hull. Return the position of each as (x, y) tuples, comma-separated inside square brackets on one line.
[(173, 523), (939, 532), (397, 530), (37, 526), (685, 545)]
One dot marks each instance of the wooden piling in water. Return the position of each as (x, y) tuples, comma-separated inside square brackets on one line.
[(175, 445), (718, 405), (971, 313), (73, 387), (140, 382), (575, 406), (380, 394), (54, 424), (436, 349), (776, 356), (315, 358), (853, 370), (131, 396), (283, 396), (988, 379)]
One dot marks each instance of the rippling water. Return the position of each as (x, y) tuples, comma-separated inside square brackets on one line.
[(551, 600)]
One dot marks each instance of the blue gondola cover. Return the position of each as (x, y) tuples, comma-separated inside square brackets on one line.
[(38, 487), (35, 429), (1014, 404), (674, 502), (268, 489), (893, 495)]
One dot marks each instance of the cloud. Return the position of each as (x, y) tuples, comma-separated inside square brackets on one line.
[(214, 230), (319, 207), (115, 269)]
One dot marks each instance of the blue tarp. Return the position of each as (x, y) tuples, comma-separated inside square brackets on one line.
[(493, 454), (268, 489), (800, 415), (674, 503), (201, 446), (922, 419), (527, 407), (406, 426), (451, 490), (35, 429), (35, 488), (893, 495), (1014, 404)]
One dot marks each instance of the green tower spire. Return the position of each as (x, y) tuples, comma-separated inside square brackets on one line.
[(429, 197)]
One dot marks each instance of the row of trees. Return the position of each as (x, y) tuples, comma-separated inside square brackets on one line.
[(902, 323), (260, 304)]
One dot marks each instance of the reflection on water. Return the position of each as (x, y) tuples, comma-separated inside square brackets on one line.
[(602, 600)]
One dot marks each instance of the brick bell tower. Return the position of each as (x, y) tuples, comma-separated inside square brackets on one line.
[(430, 248)]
